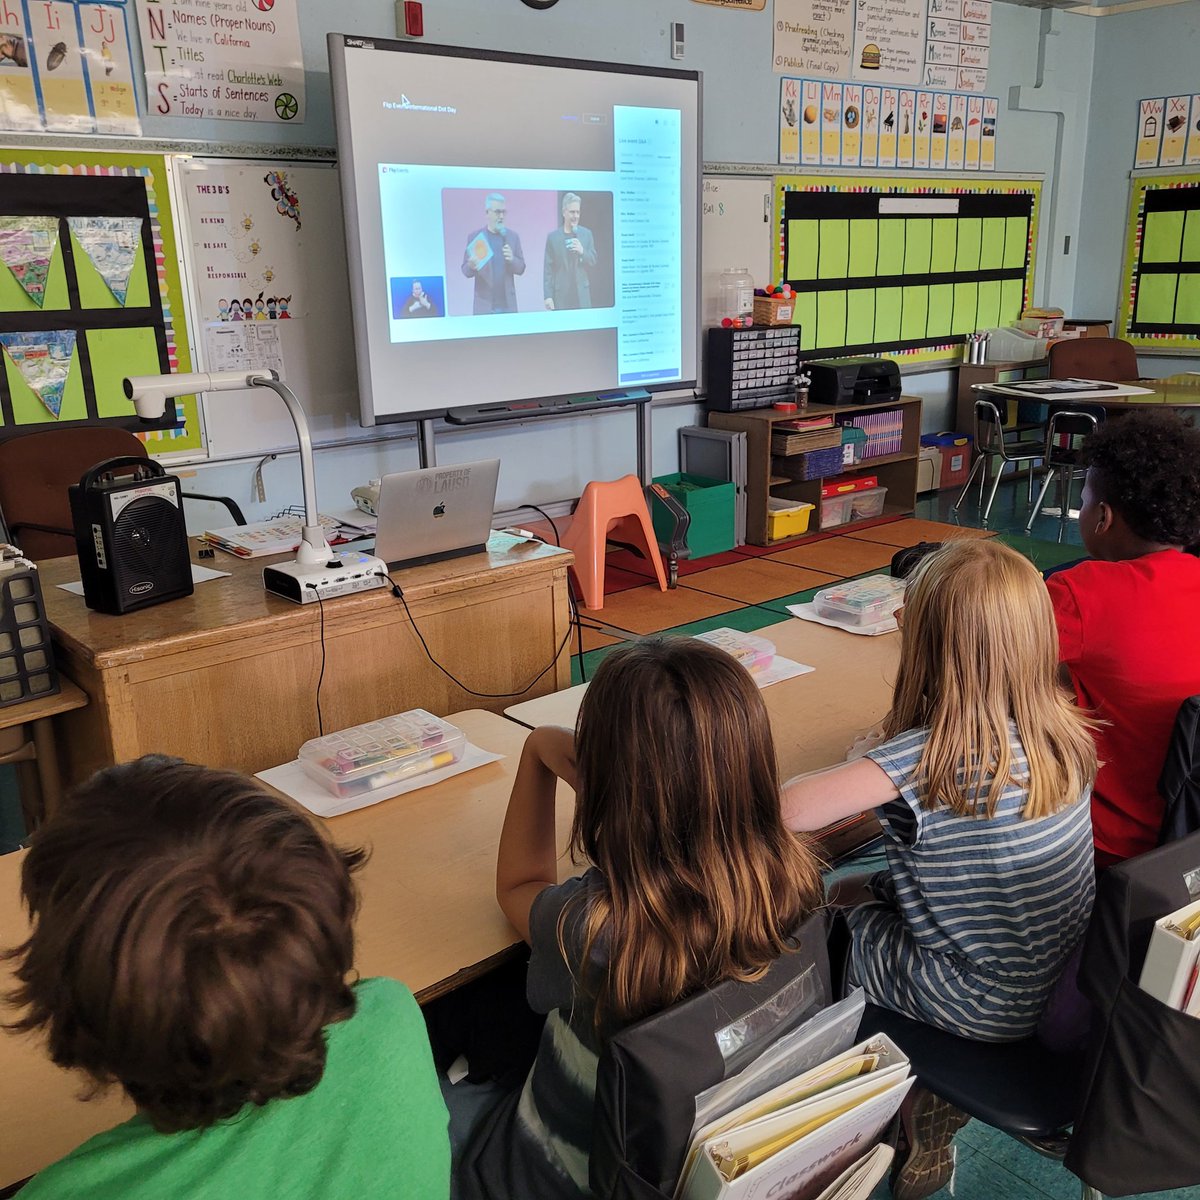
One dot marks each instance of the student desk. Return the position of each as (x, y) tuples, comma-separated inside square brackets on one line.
[(429, 915), (228, 676), (814, 717)]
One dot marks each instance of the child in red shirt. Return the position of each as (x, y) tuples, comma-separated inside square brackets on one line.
[(1129, 619)]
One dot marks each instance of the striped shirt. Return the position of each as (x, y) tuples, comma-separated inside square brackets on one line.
[(976, 916)]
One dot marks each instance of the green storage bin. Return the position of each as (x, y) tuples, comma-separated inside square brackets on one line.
[(709, 503)]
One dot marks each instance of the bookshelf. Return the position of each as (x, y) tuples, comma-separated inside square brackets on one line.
[(897, 472)]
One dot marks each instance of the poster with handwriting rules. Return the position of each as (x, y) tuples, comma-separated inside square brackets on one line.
[(112, 299), (1160, 294), (814, 37), (911, 283), (267, 287), (889, 37)]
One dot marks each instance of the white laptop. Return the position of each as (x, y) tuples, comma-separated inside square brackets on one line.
[(436, 513)]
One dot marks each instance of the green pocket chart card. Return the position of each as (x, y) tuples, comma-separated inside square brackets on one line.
[(1160, 284), (89, 293), (903, 266)]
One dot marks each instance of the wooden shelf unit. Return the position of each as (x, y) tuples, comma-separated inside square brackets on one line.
[(896, 472)]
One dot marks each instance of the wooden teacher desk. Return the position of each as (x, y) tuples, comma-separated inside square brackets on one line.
[(228, 676), (429, 915)]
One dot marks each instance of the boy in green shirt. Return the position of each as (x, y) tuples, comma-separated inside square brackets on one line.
[(192, 942)]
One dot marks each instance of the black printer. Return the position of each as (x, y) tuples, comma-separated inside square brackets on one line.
[(853, 380)]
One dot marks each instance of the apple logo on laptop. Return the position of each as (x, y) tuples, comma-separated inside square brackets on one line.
[(439, 510)]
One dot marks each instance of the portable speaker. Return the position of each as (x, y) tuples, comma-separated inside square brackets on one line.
[(130, 535)]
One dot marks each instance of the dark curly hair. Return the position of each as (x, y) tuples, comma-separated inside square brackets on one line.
[(1147, 467), (191, 939)]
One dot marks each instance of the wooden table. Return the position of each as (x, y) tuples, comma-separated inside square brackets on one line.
[(229, 675), (814, 717), (38, 715), (428, 918)]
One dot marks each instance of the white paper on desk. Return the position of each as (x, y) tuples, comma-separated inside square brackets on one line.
[(779, 670), (199, 575), (808, 612), (291, 780)]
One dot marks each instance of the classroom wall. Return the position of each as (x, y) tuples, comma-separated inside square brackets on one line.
[(1037, 59), (1150, 52)]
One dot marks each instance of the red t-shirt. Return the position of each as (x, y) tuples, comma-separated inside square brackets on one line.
[(1129, 632)]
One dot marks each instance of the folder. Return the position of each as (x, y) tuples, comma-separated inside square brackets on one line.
[(801, 1134), (858, 1180), (1172, 957)]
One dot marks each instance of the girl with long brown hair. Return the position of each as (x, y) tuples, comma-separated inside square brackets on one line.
[(694, 880)]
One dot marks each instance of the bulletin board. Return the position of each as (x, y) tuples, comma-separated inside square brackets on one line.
[(265, 264), (89, 293), (901, 265), (1160, 285)]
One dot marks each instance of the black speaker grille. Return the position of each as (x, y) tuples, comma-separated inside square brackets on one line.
[(147, 537)]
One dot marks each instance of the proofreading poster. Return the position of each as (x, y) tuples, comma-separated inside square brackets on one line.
[(228, 60)]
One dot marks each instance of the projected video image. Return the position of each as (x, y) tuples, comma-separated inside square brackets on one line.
[(524, 250), (414, 299)]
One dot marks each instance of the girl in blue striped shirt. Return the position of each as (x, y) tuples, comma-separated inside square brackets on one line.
[(981, 785)]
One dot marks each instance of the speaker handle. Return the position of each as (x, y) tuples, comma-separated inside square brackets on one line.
[(114, 464)]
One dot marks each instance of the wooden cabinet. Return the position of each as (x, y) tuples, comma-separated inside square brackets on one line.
[(897, 472)]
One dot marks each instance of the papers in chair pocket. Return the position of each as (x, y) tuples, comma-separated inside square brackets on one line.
[(806, 1136), (1172, 963)]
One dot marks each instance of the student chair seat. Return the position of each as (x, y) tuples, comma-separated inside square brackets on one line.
[(1110, 359), (37, 468), (617, 512), (1179, 783), (651, 1072), (1064, 432), (991, 417), (1121, 1114)]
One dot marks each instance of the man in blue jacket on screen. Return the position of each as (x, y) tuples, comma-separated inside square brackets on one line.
[(493, 257)]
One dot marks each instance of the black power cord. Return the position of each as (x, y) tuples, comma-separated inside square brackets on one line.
[(321, 677), (398, 592)]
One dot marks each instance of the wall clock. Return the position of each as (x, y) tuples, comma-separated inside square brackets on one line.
[(540, 3)]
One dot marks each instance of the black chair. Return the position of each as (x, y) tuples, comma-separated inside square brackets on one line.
[(651, 1072), (1121, 1114), (991, 417), (1179, 783), (1061, 460)]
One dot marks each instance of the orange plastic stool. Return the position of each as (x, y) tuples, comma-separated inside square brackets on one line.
[(617, 510)]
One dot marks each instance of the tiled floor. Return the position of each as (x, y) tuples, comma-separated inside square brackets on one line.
[(751, 588)]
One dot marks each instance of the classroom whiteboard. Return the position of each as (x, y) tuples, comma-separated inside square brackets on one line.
[(267, 236)]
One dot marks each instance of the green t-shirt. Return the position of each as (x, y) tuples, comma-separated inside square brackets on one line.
[(375, 1126)]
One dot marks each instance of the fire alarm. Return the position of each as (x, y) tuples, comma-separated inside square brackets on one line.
[(410, 21)]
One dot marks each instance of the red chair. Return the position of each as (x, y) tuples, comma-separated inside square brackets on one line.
[(607, 512), (1110, 359), (36, 470)]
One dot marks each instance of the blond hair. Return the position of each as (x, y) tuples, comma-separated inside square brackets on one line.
[(679, 808), (979, 649)]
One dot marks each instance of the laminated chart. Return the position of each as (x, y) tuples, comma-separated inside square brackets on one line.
[(901, 266), (89, 293), (1160, 294)]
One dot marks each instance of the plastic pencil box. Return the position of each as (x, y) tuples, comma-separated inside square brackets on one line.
[(861, 602), (754, 653), (383, 752)]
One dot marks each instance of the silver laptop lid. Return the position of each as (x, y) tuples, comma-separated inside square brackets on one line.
[(437, 512)]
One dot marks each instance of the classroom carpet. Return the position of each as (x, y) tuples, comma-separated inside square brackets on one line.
[(750, 588)]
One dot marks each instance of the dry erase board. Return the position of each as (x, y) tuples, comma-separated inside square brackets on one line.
[(904, 266), (736, 231), (265, 260), (89, 292), (1160, 292)]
